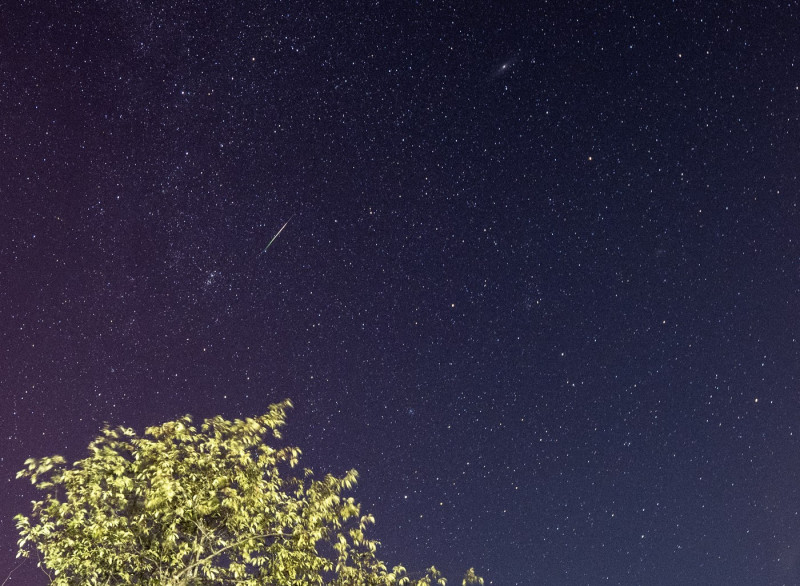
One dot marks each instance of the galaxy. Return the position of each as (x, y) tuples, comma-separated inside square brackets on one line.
[(533, 269)]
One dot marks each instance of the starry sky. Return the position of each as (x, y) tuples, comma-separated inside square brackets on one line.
[(537, 280)]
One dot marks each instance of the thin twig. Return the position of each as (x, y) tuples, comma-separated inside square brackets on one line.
[(14, 570)]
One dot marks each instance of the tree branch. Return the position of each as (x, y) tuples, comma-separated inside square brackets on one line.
[(227, 547)]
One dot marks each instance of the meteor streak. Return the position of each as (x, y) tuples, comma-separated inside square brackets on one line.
[(276, 235)]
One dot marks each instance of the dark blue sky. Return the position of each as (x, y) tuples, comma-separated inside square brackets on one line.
[(539, 282)]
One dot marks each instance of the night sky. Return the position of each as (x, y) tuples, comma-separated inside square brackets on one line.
[(538, 280)]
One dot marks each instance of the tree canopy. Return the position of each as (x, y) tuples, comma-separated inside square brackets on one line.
[(182, 506)]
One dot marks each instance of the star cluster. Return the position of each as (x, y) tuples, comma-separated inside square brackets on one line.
[(536, 273)]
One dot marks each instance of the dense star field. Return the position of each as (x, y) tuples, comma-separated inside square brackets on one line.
[(536, 279)]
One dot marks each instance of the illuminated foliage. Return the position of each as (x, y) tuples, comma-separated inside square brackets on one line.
[(181, 506)]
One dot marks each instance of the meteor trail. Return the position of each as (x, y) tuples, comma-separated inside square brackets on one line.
[(276, 235)]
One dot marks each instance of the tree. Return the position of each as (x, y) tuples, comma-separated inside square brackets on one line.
[(184, 507)]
